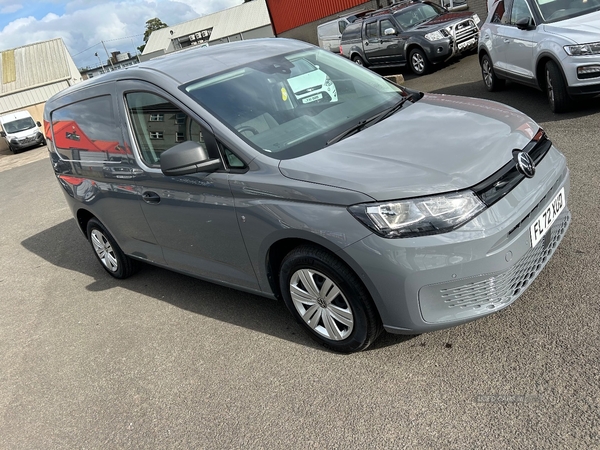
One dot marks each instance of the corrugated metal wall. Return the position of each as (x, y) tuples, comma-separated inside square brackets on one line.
[(288, 14), (27, 97)]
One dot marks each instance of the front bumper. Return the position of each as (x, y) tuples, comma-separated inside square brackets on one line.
[(578, 84), (27, 142), (434, 282)]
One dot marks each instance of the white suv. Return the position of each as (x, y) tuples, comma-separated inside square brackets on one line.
[(553, 45)]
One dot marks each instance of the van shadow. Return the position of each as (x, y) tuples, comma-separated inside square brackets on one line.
[(57, 246)]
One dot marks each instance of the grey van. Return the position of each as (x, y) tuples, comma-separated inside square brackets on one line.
[(351, 211)]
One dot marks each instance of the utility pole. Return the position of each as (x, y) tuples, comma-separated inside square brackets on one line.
[(100, 61), (109, 58)]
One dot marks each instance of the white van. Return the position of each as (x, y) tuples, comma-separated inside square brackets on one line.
[(330, 33), (21, 131)]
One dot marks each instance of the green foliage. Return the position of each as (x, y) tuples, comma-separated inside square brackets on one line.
[(153, 25)]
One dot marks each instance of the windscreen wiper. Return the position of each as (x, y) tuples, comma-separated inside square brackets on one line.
[(371, 120)]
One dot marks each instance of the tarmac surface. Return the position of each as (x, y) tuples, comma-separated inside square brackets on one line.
[(166, 361)]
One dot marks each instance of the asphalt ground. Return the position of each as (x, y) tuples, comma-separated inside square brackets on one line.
[(164, 361)]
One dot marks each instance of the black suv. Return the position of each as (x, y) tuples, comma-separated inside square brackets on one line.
[(416, 32)]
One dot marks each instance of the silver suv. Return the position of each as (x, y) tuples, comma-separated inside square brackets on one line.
[(553, 45), (348, 209)]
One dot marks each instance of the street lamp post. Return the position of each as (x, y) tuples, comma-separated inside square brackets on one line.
[(100, 61)]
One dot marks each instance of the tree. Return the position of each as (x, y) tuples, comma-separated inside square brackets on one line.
[(151, 25)]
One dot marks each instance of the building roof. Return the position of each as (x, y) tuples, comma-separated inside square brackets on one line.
[(35, 65), (231, 21)]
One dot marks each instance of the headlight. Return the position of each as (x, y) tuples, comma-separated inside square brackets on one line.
[(583, 49), (419, 216), (476, 19), (328, 81), (435, 36)]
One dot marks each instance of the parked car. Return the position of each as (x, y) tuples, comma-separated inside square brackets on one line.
[(552, 45), (329, 33), (310, 84), (414, 32), (20, 131), (352, 212)]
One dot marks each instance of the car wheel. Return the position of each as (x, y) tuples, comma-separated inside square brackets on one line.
[(328, 300), (356, 59), (491, 81), (108, 252), (43, 143), (12, 149), (556, 89), (419, 63)]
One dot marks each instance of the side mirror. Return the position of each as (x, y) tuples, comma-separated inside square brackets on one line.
[(2, 133), (185, 158), (526, 23), (38, 123), (390, 32)]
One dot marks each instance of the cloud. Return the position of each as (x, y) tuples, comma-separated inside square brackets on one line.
[(12, 8), (120, 24)]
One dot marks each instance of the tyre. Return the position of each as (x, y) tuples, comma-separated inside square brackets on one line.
[(12, 149), (328, 300), (556, 89), (418, 62), (108, 252), (356, 59), (43, 143), (490, 80)]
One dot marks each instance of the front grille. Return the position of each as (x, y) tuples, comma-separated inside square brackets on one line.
[(464, 31), (492, 292), (499, 184), (310, 89)]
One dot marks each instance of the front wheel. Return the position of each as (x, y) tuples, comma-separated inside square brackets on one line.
[(12, 149), (108, 252), (418, 62), (328, 300), (491, 81), (556, 89)]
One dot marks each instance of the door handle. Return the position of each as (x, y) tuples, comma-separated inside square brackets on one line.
[(367, 43), (151, 197), (507, 40)]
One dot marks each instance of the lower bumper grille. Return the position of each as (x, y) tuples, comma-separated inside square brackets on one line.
[(456, 300)]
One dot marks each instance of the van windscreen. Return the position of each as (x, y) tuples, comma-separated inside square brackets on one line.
[(19, 125)]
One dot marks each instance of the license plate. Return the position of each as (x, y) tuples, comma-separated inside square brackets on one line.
[(312, 98), (466, 43), (544, 221)]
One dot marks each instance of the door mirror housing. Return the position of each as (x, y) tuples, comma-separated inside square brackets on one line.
[(186, 158), (2, 133), (390, 32), (38, 123), (526, 23)]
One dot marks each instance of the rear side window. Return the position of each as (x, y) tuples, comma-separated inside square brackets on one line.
[(371, 30), (154, 137), (88, 131)]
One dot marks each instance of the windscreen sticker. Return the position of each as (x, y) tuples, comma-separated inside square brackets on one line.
[(284, 94)]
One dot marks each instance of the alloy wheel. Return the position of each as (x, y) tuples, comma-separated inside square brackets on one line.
[(104, 250), (418, 62), (321, 304), (487, 73), (549, 88)]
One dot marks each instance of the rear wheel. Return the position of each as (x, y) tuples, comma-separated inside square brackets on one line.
[(418, 62), (328, 300), (108, 252), (556, 89), (491, 81), (356, 59)]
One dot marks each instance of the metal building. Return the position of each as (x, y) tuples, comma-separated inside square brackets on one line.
[(247, 21), (31, 74)]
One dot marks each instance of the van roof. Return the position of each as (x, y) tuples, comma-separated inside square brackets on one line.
[(197, 62)]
